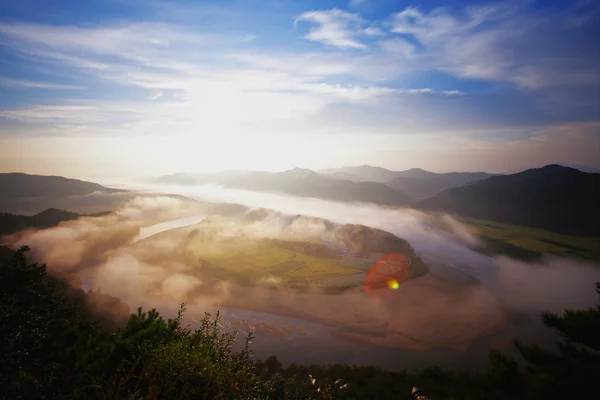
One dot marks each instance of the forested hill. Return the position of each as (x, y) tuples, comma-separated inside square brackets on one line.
[(31, 194), (12, 223), (57, 343), (557, 198), (19, 185)]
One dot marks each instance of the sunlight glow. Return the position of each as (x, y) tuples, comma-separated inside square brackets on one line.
[(393, 284)]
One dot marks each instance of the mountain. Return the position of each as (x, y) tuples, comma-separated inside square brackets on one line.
[(12, 223), (362, 173), (557, 198), (421, 184), (198, 178), (583, 168), (29, 194), (580, 167), (18, 185), (416, 183), (307, 183), (297, 182)]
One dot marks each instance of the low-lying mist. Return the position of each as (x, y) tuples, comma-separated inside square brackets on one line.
[(466, 296), (569, 282)]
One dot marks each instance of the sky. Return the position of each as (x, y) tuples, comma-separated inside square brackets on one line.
[(149, 87)]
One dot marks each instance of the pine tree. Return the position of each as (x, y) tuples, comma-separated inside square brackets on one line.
[(573, 371)]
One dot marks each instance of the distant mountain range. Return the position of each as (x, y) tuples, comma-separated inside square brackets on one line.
[(362, 183), (416, 183), (297, 182), (557, 198), (361, 173), (422, 184), (554, 197), (583, 168), (580, 167)]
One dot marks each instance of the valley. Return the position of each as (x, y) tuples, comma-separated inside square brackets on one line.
[(371, 277)]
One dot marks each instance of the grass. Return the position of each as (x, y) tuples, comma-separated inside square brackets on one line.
[(260, 257), (239, 253), (273, 262), (527, 243), (317, 268), (247, 261)]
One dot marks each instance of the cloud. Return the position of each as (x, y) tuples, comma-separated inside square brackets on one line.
[(371, 31), (452, 92), (333, 27), (38, 85), (134, 41), (502, 42), (156, 93), (40, 114), (156, 272), (532, 69)]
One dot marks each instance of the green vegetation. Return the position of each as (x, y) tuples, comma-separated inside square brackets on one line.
[(530, 243), (12, 223), (285, 263), (559, 199), (260, 257), (53, 346)]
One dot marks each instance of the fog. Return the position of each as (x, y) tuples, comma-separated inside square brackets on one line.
[(550, 284), (466, 297)]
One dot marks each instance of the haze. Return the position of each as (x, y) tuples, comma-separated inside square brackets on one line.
[(96, 89), (377, 191)]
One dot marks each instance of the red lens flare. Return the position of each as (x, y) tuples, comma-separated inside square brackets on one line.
[(387, 274)]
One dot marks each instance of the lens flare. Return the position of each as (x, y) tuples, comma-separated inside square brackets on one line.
[(389, 272)]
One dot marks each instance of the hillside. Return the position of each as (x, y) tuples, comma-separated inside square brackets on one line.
[(416, 183), (362, 173), (12, 223), (307, 183), (60, 342), (29, 194), (421, 184), (554, 197), (19, 185), (297, 182), (198, 178)]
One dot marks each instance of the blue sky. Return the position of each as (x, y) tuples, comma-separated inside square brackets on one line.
[(102, 87)]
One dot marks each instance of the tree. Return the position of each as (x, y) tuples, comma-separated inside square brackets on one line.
[(574, 370)]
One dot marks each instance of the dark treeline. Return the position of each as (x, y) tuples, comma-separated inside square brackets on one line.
[(54, 344), (13, 223)]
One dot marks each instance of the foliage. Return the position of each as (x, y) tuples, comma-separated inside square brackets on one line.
[(526, 243), (52, 345), (574, 370), (560, 199), (47, 343)]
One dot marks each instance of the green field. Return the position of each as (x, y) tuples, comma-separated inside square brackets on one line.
[(530, 243), (266, 262), (246, 259)]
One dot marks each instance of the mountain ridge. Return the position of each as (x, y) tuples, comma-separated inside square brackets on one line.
[(299, 182), (415, 182), (13, 223), (22, 193), (554, 197)]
